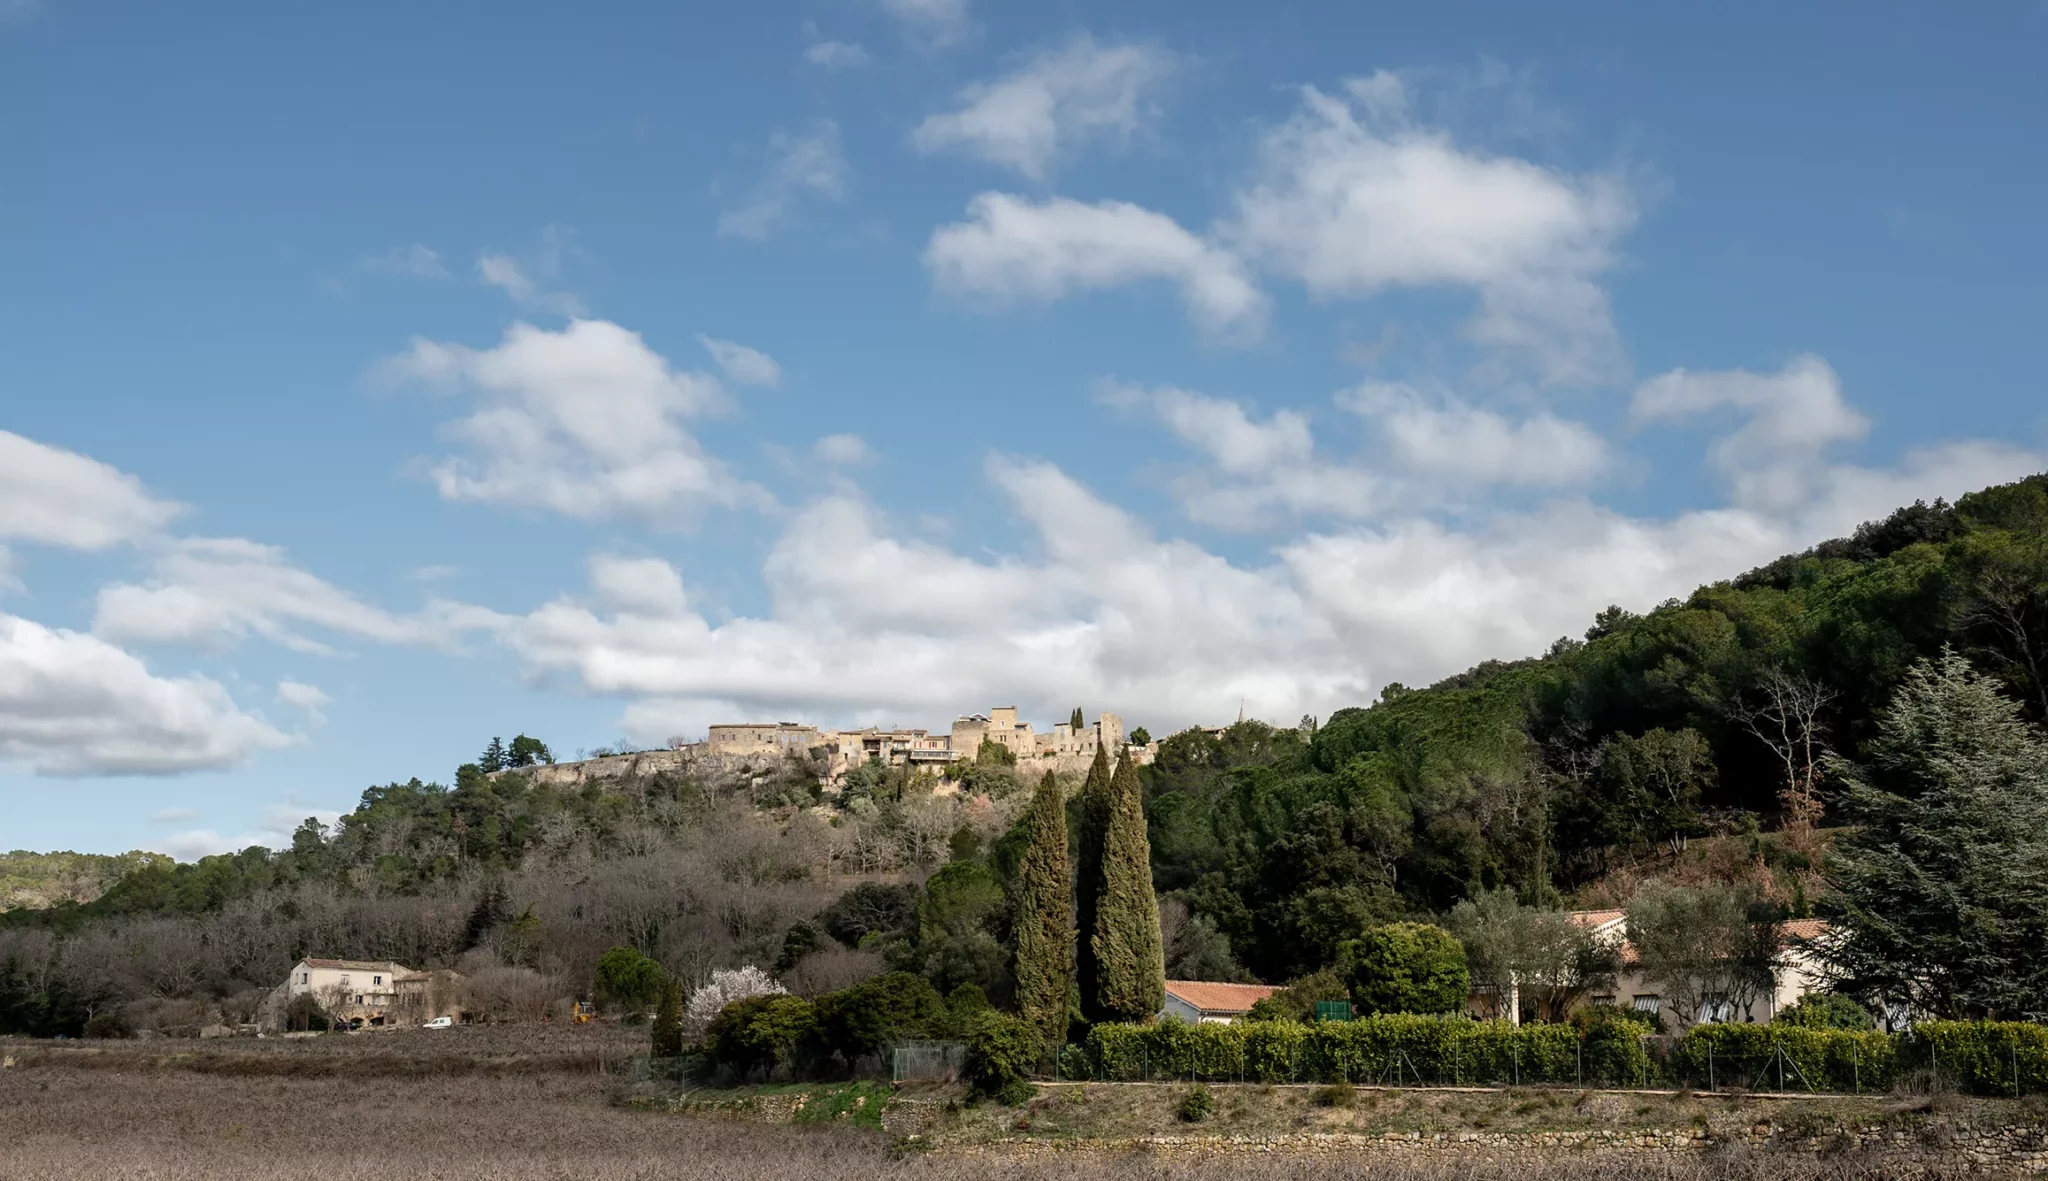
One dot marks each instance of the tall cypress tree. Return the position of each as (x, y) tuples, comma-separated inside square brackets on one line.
[(1074, 727), (1045, 916), (1089, 836), (1130, 957)]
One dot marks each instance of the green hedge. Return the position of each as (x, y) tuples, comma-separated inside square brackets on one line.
[(1983, 1057), (1386, 1048), (1757, 1056)]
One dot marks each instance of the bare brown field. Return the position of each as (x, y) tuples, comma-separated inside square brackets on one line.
[(464, 1112)]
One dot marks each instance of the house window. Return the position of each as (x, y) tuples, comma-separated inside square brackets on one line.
[(376, 980), (1648, 1002), (305, 978)]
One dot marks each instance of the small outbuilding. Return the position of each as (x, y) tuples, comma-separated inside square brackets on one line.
[(1198, 1001)]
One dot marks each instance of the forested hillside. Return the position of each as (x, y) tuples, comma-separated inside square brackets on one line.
[(1702, 725), (45, 879)]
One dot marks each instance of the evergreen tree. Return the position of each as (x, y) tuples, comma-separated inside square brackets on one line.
[(1089, 834), (1075, 725), (1941, 891), (493, 758), (1129, 955), (1045, 916), (527, 752), (668, 1023)]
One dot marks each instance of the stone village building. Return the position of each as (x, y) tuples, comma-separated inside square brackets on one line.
[(741, 747), (368, 993)]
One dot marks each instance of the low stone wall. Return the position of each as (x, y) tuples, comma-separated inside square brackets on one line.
[(2001, 1150), (1911, 1143), (644, 763)]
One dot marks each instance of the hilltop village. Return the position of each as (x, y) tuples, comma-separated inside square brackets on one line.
[(736, 746)]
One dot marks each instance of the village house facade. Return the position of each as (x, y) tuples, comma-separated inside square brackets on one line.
[(372, 993), (1797, 974)]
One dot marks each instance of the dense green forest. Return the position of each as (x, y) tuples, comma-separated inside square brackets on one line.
[(1606, 758)]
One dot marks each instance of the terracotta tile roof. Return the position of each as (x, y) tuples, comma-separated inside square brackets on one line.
[(1795, 929), (1597, 918), (1213, 997)]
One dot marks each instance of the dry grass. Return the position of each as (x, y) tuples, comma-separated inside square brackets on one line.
[(131, 1114)]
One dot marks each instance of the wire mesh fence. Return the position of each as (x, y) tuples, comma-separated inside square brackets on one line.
[(927, 1061)]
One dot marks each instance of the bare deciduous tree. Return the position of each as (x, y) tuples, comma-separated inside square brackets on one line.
[(1787, 712)]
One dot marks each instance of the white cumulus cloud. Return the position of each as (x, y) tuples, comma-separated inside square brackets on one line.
[(56, 497), (1013, 248), (1023, 119), (73, 704), (587, 421), (1352, 197), (203, 590)]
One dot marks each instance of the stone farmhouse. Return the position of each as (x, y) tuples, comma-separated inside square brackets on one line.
[(368, 993)]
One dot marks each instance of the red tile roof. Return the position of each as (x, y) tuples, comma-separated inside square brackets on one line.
[(1803, 929), (1212, 997)]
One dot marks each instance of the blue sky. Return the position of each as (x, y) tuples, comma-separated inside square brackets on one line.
[(378, 381)]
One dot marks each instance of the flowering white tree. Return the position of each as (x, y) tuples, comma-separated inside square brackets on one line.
[(727, 986)]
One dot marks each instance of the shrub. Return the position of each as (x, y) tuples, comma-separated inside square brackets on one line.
[(1408, 968), (966, 1006), (1196, 1104), (1335, 1095), (761, 1032), (871, 1015), (110, 1024), (628, 980), (1297, 1001), (1826, 1010), (1002, 1051)]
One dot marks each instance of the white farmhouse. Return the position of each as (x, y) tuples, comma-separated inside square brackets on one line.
[(360, 993)]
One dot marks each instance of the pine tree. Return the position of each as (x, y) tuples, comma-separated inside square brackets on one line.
[(1088, 882), (493, 758), (1074, 727), (1129, 954), (1045, 916), (1940, 894)]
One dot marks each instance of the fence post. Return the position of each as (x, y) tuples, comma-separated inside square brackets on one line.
[(1710, 1067), (1856, 1064), (2014, 1049), (1581, 1048)]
